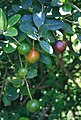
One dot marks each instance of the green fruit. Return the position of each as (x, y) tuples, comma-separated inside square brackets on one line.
[(33, 56), (24, 49), (22, 71), (23, 118), (33, 105)]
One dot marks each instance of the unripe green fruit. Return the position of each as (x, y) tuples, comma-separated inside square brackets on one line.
[(33, 105), (24, 49), (33, 56), (22, 71)]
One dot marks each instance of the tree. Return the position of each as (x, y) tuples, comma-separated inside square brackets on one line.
[(40, 59)]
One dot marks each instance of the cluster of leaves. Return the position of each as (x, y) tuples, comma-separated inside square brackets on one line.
[(55, 79)]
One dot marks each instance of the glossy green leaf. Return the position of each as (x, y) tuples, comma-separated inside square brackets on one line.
[(13, 20), (29, 30), (38, 19), (3, 20), (11, 91), (46, 59), (46, 47), (11, 31), (54, 2), (66, 8), (9, 48), (68, 28), (42, 30), (6, 101), (79, 21), (49, 37), (26, 4), (32, 73), (54, 24)]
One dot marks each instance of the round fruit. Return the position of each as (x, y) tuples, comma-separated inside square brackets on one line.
[(59, 46), (24, 49), (33, 105), (22, 71), (23, 118), (33, 56)]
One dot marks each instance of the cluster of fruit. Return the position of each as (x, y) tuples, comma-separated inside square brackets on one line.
[(32, 56)]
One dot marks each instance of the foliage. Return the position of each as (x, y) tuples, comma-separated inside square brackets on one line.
[(55, 79)]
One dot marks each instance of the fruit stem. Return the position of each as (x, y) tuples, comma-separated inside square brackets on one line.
[(33, 44), (54, 35), (10, 60), (27, 85), (16, 40), (42, 7), (20, 61)]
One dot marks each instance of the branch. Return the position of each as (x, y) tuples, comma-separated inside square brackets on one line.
[(66, 71), (3, 83), (74, 6)]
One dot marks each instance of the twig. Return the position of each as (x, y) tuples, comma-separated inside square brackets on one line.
[(16, 40), (3, 83), (27, 85), (74, 6), (20, 61), (65, 70), (42, 80)]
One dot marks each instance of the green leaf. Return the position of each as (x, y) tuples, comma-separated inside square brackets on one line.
[(46, 59), (3, 20), (29, 30), (42, 30), (49, 37), (46, 47), (11, 91), (32, 73), (11, 31), (6, 101), (22, 37), (54, 24), (13, 20), (79, 21), (68, 28), (39, 18), (9, 48), (55, 3), (66, 8), (26, 4)]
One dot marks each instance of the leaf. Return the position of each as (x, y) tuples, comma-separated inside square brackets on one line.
[(26, 4), (3, 20), (38, 19), (11, 91), (11, 31), (42, 30), (54, 24), (66, 8), (6, 101), (13, 20), (49, 37), (9, 48), (28, 29), (15, 8), (46, 47), (79, 21), (55, 3), (46, 59), (27, 18), (22, 37), (68, 28), (32, 73)]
